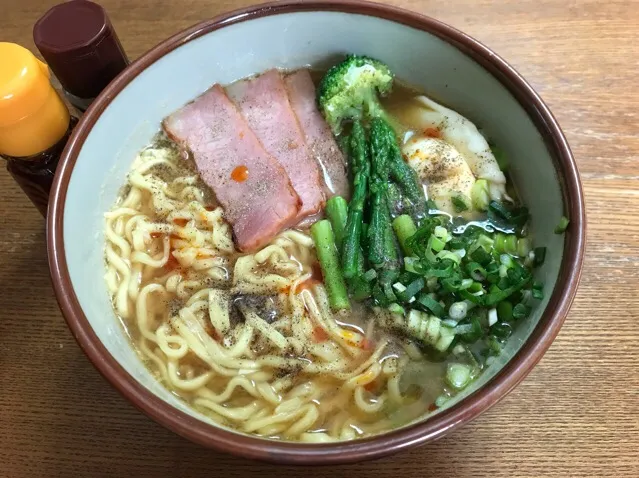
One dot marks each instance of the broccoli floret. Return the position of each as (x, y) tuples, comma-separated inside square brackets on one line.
[(350, 89)]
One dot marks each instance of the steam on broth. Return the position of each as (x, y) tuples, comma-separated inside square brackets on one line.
[(248, 328)]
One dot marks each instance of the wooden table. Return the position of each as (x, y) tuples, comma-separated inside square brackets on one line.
[(577, 414)]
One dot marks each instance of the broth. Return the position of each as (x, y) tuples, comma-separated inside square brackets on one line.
[(286, 367)]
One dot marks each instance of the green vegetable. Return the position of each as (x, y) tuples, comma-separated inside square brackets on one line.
[(475, 332), (523, 246), (359, 288), (395, 308), (360, 163), (381, 247), (411, 290), (349, 90), (479, 195), (337, 213), (540, 256), (494, 347), (322, 235), (562, 226), (538, 290), (406, 178), (446, 337), (458, 375), (431, 304), (521, 311), (404, 228), (395, 200), (505, 311), (480, 282), (459, 203), (508, 216)]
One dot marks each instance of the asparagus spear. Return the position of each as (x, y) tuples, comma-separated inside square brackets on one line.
[(337, 213), (406, 178), (324, 239), (360, 164)]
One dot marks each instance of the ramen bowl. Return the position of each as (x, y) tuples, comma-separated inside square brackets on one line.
[(438, 59)]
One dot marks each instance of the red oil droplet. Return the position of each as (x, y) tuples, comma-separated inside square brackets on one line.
[(240, 174)]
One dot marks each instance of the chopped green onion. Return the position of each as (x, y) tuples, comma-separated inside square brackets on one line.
[(476, 271), (388, 292), (540, 256), (505, 311), (497, 296), (494, 347), (449, 255), (521, 311), (432, 284), (369, 275), (482, 256), (412, 289), (441, 400), (459, 203), (399, 287), (456, 243), (395, 308), (458, 310), (446, 337), (458, 375), (523, 247), (482, 241), (475, 287), (538, 290), (436, 244), (441, 233), (562, 226), (492, 317), (480, 195), (475, 332), (511, 244), (431, 304), (409, 264), (466, 283), (463, 329), (500, 210)]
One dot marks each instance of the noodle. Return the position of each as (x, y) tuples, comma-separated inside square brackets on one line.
[(173, 273)]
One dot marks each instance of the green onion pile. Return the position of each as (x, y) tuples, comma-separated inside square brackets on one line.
[(458, 291)]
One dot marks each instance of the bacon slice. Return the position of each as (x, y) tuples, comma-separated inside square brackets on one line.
[(264, 103), (249, 183), (301, 93)]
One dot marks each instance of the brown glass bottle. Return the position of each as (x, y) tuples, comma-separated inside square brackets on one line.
[(35, 124), (34, 174), (84, 59)]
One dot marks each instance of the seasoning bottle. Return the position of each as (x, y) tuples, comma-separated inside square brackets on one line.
[(35, 124), (78, 42)]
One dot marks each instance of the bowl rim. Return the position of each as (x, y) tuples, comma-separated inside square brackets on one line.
[(379, 445)]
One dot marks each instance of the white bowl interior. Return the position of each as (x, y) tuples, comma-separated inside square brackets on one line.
[(289, 41)]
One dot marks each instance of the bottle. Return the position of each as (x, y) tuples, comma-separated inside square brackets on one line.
[(35, 124), (78, 42)]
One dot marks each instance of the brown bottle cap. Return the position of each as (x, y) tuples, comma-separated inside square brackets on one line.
[(79, 43)]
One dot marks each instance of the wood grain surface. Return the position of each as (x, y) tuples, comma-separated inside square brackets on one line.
[(577, 414)]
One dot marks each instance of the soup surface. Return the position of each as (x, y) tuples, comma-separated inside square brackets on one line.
[(256, 339)]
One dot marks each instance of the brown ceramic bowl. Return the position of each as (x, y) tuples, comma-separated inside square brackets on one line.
[(446, 63)]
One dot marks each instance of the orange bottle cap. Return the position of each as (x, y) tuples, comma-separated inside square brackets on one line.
[(24, 83), (32, 115)]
